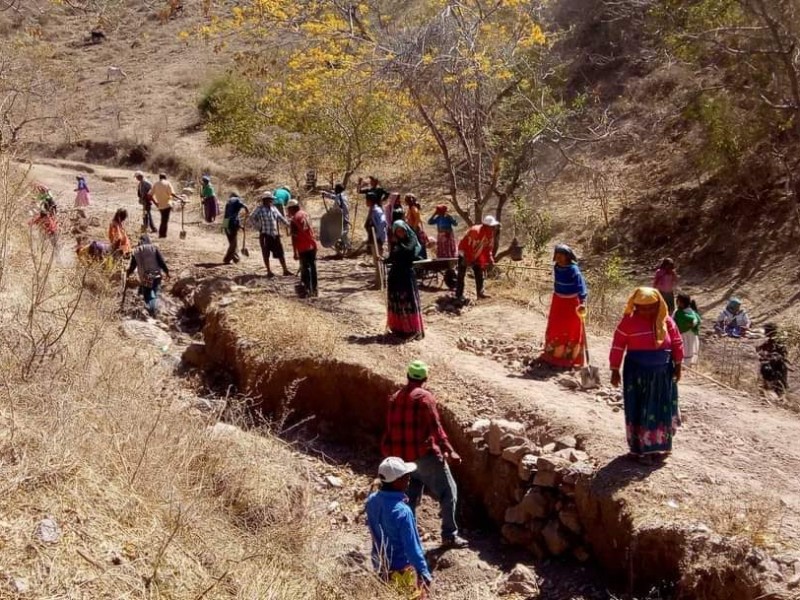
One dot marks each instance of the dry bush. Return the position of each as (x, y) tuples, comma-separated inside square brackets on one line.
[(301, 332), (149, 503)]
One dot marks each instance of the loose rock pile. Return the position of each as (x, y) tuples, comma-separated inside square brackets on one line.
[(514, 355), (545, 519)]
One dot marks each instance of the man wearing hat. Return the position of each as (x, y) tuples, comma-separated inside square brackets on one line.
[(305, 247), (476, 250), (231, 225), (396, 546), (163, 192), (414, 432), (265, 220), (144, 191)]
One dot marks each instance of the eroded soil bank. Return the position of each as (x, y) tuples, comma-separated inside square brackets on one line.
[(342, 392)]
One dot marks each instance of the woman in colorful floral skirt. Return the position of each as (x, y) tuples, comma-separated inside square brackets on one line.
[(652, 346), (404, 312), (564, 338)]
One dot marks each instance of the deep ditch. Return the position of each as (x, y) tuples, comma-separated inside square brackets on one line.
[(347, 402)]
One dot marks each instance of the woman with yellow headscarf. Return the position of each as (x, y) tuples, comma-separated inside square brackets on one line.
[(652, 347)]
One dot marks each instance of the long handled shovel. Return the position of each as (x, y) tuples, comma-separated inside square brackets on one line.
[(183, 210), (245, 251), (589, 375)]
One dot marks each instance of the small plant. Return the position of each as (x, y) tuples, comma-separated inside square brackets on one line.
[(607, 286), (532, 228)]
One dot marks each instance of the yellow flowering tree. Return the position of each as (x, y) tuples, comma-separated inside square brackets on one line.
[(473, 74)]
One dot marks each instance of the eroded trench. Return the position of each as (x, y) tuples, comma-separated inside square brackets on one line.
[(346, 403)]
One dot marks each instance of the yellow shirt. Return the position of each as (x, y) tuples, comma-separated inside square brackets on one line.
[(162, 192)]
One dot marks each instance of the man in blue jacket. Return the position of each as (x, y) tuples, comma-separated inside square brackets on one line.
[(396, 546)]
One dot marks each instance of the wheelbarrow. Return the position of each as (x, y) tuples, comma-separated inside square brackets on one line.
[(436, 272)]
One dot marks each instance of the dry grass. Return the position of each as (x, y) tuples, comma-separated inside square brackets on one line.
[(150, 503)]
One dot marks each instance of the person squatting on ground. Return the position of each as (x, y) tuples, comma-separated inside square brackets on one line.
[(774, 364), (733, 321), (688, 320), (652, 346), (339, 198), (476, 250), (414, 432), (149, 264), (144, 191), (82, 196), (404, 309), (445, 237), (208, 197), (265, 220), (396, 545), (305, 247), (231, 224), (163, 192), (666, 282), (564, 337), (117, 236)]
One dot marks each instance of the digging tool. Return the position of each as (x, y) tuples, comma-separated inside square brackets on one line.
[(245, 251), (589, 375), (124, 290), (183, 210)]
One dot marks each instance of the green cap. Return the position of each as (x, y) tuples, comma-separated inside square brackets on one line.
[(418, 371)]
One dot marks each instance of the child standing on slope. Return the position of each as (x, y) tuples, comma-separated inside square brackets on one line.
[(687, 318), (666, 281)]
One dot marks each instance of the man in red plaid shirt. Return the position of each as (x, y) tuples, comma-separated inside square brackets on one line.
[(414, 432)]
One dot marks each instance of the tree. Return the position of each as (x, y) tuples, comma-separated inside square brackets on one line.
[(476, 75), (26, 88)]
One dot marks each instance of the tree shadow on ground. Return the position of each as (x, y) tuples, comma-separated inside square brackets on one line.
[(385, 339)]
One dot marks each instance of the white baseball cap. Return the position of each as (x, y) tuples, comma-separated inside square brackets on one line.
[(393, 468), (490, 221), (292, 203)]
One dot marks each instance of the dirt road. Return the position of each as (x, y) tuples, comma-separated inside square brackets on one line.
[(736, 459)]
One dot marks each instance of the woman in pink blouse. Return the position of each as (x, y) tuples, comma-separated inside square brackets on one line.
[(652, 347)]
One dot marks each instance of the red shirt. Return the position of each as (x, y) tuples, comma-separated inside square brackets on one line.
[(636, 333), (478, 246), (413, 427), (302, 233)]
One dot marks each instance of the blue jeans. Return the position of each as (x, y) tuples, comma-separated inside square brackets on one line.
[(150, 295), (434, 474)]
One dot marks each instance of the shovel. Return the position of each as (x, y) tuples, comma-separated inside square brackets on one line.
[(589, 375), (183, 209), (245, 251)]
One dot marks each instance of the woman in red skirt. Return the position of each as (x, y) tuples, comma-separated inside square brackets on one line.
[(564, 339)]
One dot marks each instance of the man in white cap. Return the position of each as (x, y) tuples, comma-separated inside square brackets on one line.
[(414, 432), (145, 193), (476, 250), (396, 546)]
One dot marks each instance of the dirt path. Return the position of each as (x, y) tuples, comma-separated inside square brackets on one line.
[(736, 459)]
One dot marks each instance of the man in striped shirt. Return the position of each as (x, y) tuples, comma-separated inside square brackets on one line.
[(265, 219)]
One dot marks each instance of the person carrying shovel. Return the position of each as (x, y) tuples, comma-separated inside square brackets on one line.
[(231, 224), (565, 336)]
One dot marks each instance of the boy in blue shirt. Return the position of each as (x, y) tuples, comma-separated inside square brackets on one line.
[(396, 546)]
